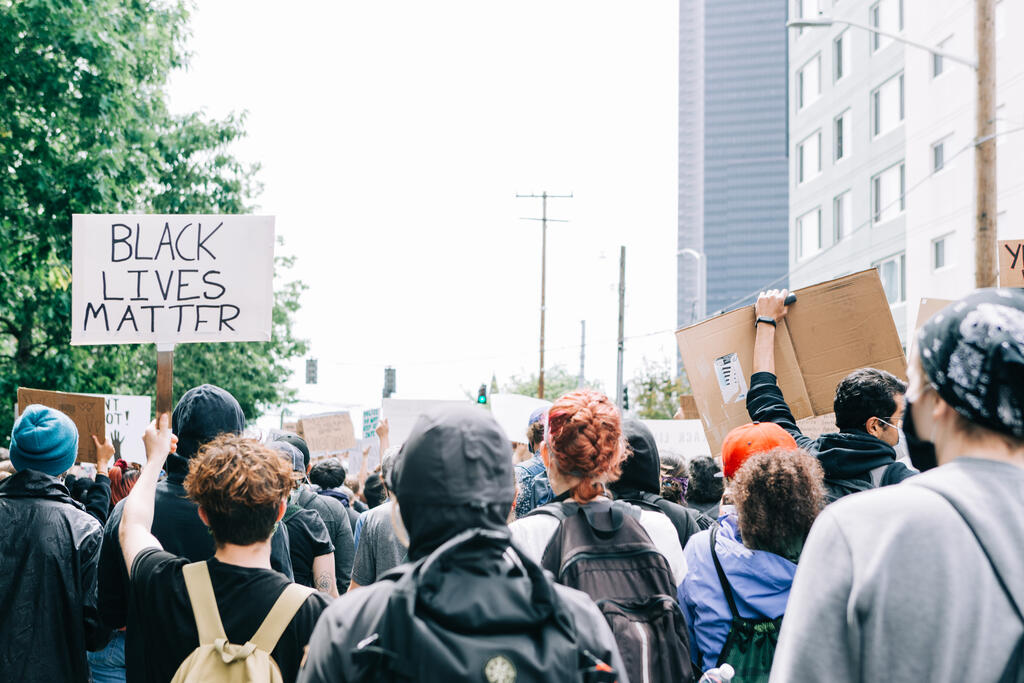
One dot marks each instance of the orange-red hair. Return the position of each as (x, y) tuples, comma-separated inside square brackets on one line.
[(585, 440)]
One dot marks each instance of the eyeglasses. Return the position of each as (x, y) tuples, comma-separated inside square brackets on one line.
[(898, 425)]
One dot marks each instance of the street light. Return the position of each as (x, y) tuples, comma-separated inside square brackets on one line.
[(702, 281), (985, 140)]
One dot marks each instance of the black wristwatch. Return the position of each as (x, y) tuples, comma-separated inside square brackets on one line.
[(764, 319)]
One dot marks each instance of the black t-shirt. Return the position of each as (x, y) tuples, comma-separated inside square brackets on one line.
[(307, 538), (167, 634)]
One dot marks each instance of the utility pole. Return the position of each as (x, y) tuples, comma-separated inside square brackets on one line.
[(622, 315), (985, 271), (583, 351), (544, 197)]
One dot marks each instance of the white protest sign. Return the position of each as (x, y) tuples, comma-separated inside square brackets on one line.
[(512, 411), (401, 415), (355, 455), (127, 419), (171, 279), (685, 437)]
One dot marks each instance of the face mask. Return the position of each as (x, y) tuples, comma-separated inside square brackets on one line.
[(922, 453)]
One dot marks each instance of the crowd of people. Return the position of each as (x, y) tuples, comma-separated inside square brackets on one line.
[(889, 550)]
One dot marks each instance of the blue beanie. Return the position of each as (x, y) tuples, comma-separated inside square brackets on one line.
[(45, 440)]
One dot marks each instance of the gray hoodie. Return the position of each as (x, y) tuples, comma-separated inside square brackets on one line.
[(893, 586)]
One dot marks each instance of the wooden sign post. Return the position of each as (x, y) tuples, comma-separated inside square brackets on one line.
[(164, 379)]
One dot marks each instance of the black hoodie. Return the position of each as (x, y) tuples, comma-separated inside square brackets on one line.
[(640, 482), (844, 456)]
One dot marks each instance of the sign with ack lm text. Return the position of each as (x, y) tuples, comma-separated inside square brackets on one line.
[(171, 278)]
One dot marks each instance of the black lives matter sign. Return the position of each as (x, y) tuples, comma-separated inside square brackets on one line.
[(171, 278)]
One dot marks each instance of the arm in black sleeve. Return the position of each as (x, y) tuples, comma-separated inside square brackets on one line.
[(97, 501), (765, 403), (96, 632)]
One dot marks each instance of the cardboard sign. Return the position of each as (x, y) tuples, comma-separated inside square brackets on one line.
[(833, 328), (371, 418), (688, 407), (1011, 263), (127, 418), (685, 437), (402, 414), (512, 411), (927, 309), (328, 432), (171, 279), (816, 426), (87, 412)]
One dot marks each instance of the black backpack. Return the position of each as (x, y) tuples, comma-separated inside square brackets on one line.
[(409, 637), (601, 549), (750, 646)]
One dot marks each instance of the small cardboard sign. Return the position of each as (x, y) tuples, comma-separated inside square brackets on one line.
[(87, 412), (927, 309), (371, 418), (327, 432), (816, 426), (833, 328), (171, 278), (1011, 263), (688, 407), (685, 437)]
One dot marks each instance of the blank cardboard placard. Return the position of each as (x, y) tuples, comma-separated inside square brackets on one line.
[(928, 308), (512, 411), (688, 407), (87, 412), (327, 432), (816, 426), (171, 278), (1011, 263), (833, 328)]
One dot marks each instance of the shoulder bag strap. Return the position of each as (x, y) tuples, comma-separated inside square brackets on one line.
[(280, 615), (722, 578), (204, 603)]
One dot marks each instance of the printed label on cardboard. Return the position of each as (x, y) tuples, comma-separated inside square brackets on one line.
[(730, 378)]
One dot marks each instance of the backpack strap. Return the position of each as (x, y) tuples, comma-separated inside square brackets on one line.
[(555, 510), (722, 578), (204, 603), (280, 615)]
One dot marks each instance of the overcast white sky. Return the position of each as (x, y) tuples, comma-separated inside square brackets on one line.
[(393, 137)]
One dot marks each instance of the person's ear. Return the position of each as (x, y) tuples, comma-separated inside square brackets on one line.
[(872, 427), (202, 516)]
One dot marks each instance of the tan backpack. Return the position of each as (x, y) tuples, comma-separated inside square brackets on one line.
[(218, 660)]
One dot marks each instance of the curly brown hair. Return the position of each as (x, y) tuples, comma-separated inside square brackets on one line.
[(778, 495), (240, 485), (585, 440)]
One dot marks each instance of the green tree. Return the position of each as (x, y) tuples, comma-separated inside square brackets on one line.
[(85, 128), (654, 391), (557, 381)]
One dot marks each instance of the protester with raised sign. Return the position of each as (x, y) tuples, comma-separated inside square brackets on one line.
[(923, 582), (461, 610), (202, 414), (49, 553), (741, 571), (331, 511), (869, 406), (240, 487)]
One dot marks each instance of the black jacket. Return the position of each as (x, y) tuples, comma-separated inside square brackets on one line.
[(640, 483), (49, 552), (843, 456)]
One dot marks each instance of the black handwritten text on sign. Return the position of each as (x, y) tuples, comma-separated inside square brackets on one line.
[(171, 278), (1011, 263)]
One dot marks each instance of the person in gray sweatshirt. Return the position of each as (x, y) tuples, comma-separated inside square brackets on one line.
[(924, 581)]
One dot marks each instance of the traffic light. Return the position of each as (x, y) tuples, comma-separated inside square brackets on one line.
[(311, 371), (625, 398), (481, 395), (389, 382)]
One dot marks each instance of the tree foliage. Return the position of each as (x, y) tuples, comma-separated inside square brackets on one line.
[(557, 381), (654, 391), (85, 128)]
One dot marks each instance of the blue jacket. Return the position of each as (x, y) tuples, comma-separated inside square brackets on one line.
[(760, 582)]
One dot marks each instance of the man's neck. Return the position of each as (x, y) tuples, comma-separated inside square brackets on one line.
[(256, 556)]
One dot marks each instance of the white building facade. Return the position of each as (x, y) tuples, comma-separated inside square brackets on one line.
[(882, 159)]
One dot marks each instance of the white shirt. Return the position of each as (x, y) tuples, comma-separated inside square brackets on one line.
[(532, 534)]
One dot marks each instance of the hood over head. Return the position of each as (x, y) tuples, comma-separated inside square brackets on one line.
[(202, 414), (454, 473), (642, 469), (853, 454)]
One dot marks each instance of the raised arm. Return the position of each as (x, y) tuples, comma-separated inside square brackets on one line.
[(137, 519), (770, 306)]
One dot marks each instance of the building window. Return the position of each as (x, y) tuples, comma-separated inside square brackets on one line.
[(808, 82), (938, 156), (808, 158), (887, 109), (808, 234), (875, 17), (841, 56), (885, 15), (842, 216), (939, 252), (842, 135), (893, 273), (888, 190), (938, 62)]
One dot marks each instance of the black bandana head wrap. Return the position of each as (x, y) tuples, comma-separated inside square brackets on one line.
[(972, 352)]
